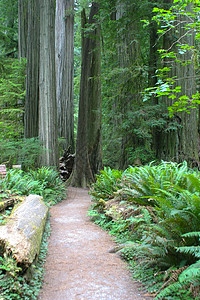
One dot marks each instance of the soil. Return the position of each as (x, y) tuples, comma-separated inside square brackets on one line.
[(79, 265)]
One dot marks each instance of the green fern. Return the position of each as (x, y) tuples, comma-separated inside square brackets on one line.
[(106, 184), (163, 225), (44, 182), (191, 274), (174, 291)]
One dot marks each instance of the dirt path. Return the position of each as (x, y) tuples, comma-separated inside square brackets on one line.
[(78, 265)]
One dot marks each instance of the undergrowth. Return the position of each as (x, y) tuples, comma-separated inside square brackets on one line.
[(154, 212), (17, 184), (44, 182)]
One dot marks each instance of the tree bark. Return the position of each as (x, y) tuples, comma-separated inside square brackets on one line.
[(130, 83), (22, 27), (89, 142), (47, 85), (94, 98), (65, 70), (32, 78)]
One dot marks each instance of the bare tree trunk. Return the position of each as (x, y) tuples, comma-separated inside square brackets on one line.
[(32, 78), (22, 27), (152, 78), (88, 146), (186, 79), (94, 98), (65, 70), (129, 58), (47, 85)]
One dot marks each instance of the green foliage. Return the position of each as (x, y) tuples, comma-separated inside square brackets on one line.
[(8, 27), (106, 184), (13, 148), (124, 75), (159, 209), (12, 94), (24, 152), (44, 182), (177, 22)]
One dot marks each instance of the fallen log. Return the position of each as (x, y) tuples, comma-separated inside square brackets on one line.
[(6, 203), (22, 234)]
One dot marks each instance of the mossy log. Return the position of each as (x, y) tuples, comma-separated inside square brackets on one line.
[(6, 203), (22, 234)]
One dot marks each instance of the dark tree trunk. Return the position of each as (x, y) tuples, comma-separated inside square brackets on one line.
[(32, 78), (152, 78), (22, 27), (88, 147), (130, 83), (65, 70)]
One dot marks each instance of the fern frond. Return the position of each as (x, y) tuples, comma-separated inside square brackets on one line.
[(191, 273), (192, 234), (192, 250)]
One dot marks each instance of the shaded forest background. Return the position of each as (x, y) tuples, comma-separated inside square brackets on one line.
[(118, 67)]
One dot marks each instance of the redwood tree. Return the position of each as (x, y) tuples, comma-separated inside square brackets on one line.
[(89, 143), (22, 27), (32, 76), (47, 85), (65, 70)]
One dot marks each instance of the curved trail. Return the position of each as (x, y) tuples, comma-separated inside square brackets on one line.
[(78, 265)]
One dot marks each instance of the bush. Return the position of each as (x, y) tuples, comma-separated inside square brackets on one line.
[(164, 222), (44, 182)]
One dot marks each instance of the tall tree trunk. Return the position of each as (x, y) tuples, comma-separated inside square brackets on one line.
[(94, 98), (153, 66), (47, 85), (32, 78), (65, 70), (89, 143), (22, 27), (181, 144), (130, 85)]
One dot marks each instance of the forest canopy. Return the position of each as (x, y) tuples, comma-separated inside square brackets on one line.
[(138, 60)]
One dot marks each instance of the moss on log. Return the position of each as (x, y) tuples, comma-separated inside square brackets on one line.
[(22, 235), (6, 203)]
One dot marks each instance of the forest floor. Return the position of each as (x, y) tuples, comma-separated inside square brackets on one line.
[(78, 264)]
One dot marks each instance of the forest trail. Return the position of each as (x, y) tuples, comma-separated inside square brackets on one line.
[(78, 264)]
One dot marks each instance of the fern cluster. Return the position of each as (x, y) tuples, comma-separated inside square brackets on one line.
[(161, 217), (44, 182)]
